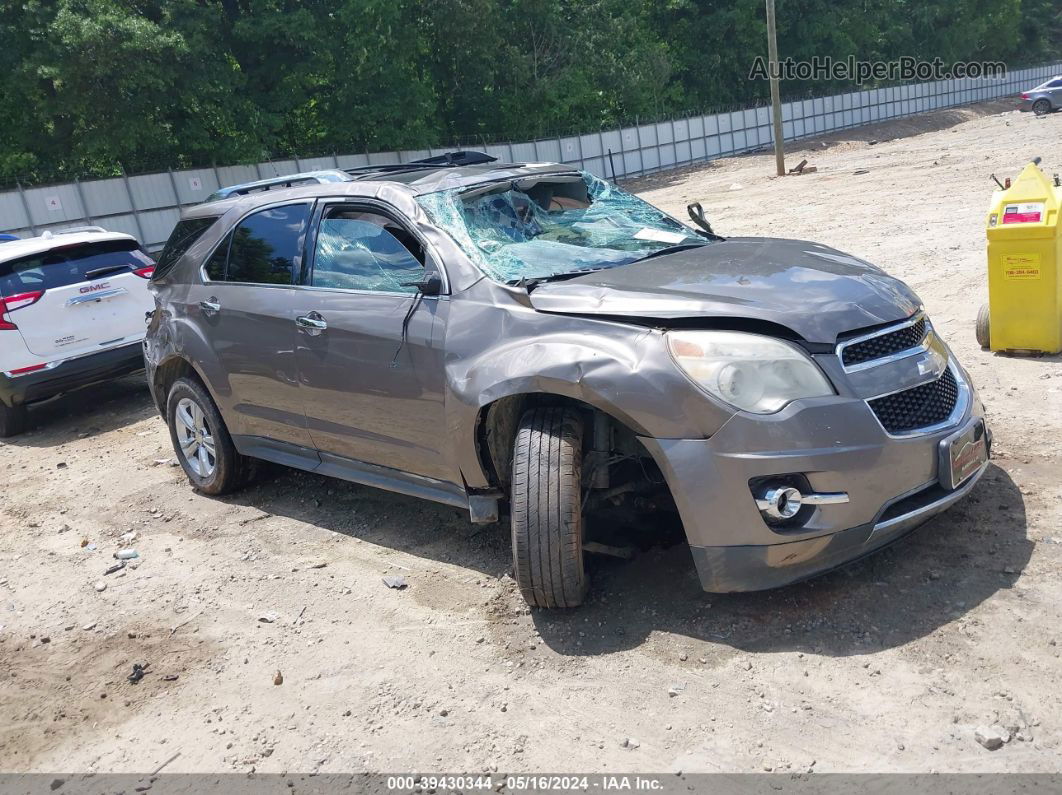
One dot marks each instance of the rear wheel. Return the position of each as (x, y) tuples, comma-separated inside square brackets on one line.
[(547, 510), (202, 442), (1041, 107), (984, 337), (13, 420)]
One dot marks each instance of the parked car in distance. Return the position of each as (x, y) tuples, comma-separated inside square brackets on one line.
[(1045, 98), (532, 337), (72, 307)]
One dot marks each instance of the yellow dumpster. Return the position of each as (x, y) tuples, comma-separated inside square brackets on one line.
[(1024, 310)]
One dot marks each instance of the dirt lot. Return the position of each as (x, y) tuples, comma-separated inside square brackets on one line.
[(888, 665)]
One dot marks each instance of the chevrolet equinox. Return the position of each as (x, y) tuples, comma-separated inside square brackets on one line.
[(531, 339)]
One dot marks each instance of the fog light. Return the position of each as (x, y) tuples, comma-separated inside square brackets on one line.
[(781, 503)]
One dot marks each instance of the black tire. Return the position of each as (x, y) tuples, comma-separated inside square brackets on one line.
[(547, 510), (231, 470), (13, 420), (1041, 107), (983, 330)]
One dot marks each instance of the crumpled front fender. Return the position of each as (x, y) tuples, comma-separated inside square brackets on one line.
[(623, 370)]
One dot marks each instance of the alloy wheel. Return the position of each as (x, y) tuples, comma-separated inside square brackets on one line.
[(195, 438)]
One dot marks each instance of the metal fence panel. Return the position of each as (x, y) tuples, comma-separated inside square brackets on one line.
[(13, 211), (353, 161), (317, 163), (53, 204), (524, 153), (499, 152), (683, 153), (570, 151), (591, 145), (194, 185), (632, 151), (157, 224), (152, 191), (235, 175), (104, 197)]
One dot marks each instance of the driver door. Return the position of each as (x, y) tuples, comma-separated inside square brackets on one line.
[(369, 349)]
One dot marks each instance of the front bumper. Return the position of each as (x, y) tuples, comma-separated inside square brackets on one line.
[(71, 374), (757, 568), (839, 446)]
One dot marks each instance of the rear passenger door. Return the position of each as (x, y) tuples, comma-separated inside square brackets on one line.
[(370, 348), (244, 308)]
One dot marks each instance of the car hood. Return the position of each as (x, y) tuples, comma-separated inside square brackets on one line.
[(815, 291)]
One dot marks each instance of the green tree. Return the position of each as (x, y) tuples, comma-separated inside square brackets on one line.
[(95, 85)]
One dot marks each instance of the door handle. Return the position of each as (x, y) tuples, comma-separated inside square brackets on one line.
[(211, 307), (312, 322)]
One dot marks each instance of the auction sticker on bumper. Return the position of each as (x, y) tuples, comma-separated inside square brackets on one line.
[(963, 454)]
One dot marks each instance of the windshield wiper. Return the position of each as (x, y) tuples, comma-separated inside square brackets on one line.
[(97, 272), (531, 282), (669, 250)]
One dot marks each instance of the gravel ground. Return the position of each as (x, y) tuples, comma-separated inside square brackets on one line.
[(891, 664)]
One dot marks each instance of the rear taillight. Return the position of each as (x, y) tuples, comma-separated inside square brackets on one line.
[(1024, 96), (145, 273), (26, 370), (11, 303)]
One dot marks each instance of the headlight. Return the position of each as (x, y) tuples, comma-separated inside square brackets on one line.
[(750, 372)]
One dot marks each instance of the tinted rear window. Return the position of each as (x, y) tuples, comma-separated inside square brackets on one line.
[(262, 248), (181, 239), (70, 265)]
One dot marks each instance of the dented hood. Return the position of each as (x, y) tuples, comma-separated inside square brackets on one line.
[(816, 291)]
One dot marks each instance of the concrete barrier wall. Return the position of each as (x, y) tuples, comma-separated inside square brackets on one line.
[(147, 206)]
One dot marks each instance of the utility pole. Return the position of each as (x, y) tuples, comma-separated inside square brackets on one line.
[(776, 101)]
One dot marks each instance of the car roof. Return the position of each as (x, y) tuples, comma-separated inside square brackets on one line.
[(30, 246), (415, 180)]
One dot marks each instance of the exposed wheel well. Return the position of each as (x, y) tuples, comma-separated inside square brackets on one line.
[(165, 375), (617, 464)]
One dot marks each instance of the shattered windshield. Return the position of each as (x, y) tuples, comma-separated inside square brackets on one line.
[(540, 227)]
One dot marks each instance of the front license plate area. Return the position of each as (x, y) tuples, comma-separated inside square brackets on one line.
[(962, 454)]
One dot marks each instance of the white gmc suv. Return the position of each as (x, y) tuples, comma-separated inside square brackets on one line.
[(72, 307)]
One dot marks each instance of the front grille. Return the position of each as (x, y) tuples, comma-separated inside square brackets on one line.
[(919, 407), (885, 345)]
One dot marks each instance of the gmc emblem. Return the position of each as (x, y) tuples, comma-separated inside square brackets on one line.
[(94, 287)]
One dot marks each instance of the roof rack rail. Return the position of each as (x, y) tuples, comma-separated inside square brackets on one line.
[(76, 230), (447, 160), (73, 230), (286, 181)]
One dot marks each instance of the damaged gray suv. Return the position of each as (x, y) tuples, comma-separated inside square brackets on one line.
[(529, 339)]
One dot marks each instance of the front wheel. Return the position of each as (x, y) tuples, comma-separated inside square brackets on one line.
[(1041, 107), (202, 442), (547, 508)]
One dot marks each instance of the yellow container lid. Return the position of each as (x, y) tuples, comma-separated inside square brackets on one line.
[(1028, 209)]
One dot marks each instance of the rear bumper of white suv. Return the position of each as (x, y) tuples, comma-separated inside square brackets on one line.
[(71, 374)]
